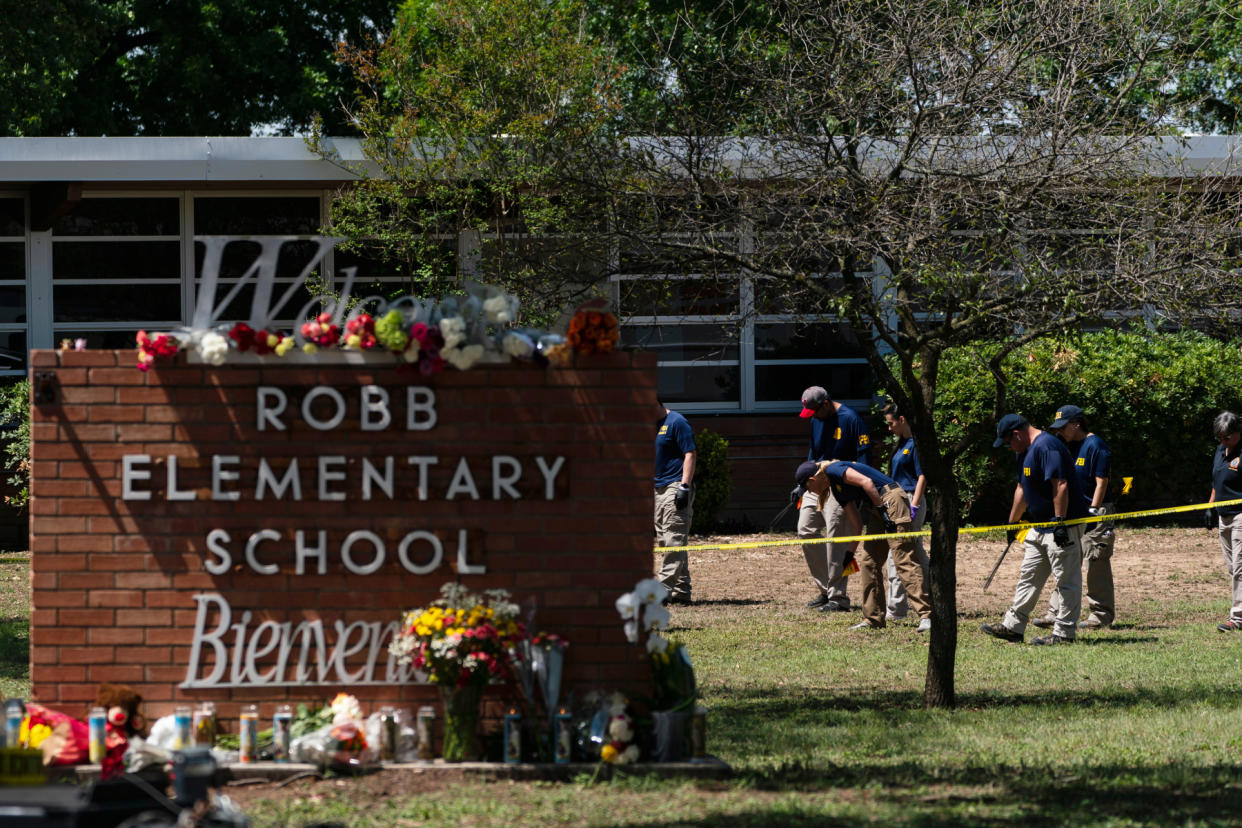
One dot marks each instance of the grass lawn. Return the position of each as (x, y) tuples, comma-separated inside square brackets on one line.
[(1137, 725)]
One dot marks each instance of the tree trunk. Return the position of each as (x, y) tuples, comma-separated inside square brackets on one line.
[(938, 691)]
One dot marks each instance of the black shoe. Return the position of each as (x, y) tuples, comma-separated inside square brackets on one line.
[(818, 602), (680, 599), (1048, 640), (1002, 632), (1044, 623), (833, 606)]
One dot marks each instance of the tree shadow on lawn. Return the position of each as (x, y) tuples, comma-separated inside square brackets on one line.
[(908, 794)]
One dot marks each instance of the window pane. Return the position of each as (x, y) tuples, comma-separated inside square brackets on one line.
[(239, 256), (12, 305), (114, 303), (121, 217), (12, 350), (679, 297), (116, 260), (682, 342), (779, 383), (12, 260), (715, 383), (233, 216), (12, 217), (791, 340), (399, 278), (776, 297), (239, 308), (97, 339)]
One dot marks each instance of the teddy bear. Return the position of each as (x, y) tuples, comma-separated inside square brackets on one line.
[(123, 721), (121, 703)]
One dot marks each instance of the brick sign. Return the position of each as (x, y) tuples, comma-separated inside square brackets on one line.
[(252, 533)]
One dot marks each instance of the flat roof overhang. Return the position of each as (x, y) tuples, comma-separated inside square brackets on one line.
[(191, 159)]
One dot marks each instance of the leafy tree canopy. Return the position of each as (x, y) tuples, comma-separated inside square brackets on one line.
[(143, 67)]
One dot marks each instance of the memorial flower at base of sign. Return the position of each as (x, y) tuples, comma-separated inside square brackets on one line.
[(462, 642), (645, 619)]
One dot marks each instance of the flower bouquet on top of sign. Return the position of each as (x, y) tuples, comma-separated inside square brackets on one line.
[(423, 335), (463, 642), (592, 329)]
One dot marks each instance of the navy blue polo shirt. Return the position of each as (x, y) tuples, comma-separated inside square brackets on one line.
[(905, 467), (843, 437), (847, 493), (1227, 479), (1045, 460), (674, 440), (1094, 460)]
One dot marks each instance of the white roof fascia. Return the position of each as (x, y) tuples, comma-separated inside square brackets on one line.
[(173, 159)]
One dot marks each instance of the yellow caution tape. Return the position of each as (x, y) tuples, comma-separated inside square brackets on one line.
[(965, 530)]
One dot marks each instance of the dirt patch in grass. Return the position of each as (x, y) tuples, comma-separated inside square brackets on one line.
[(1148, 565)]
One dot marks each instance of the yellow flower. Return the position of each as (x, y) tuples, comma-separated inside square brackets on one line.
[(310, 348), (284, 346)]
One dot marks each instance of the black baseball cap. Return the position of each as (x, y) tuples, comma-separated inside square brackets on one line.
[(1065, 415), (805, 472), (1007, 425)]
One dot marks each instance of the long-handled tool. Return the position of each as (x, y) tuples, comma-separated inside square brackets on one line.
[(1018, 535), (781, 514)]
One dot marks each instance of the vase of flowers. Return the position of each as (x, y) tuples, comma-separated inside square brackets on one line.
[(462, 642)]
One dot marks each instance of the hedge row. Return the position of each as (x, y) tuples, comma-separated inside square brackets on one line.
[(1151, 396)]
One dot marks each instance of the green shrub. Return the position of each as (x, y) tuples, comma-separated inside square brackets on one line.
[(712, 481), (15, 411), (1151, 396)]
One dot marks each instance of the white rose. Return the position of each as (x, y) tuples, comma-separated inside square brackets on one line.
[(464, 357), (453, 329), (214, 348), (517, 345)]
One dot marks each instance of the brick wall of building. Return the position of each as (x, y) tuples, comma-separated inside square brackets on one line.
[(115, 577)]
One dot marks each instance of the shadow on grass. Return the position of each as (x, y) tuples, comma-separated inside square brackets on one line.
[(755, 706), (910, 795), (15, 648), (731, 602)]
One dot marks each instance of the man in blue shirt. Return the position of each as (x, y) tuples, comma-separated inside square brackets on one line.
[(674, 499), (837, 433), (867, 495), (1047, 489), (906, 470), (1093, 466)]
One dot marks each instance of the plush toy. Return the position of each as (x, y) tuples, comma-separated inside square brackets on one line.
[(120, 702), (619, 749)]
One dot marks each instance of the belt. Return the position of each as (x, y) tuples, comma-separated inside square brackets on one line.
[(890, 487)]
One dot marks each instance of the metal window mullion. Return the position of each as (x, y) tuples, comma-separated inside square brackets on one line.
[(747, 382), (188, 282), (39, 293)]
